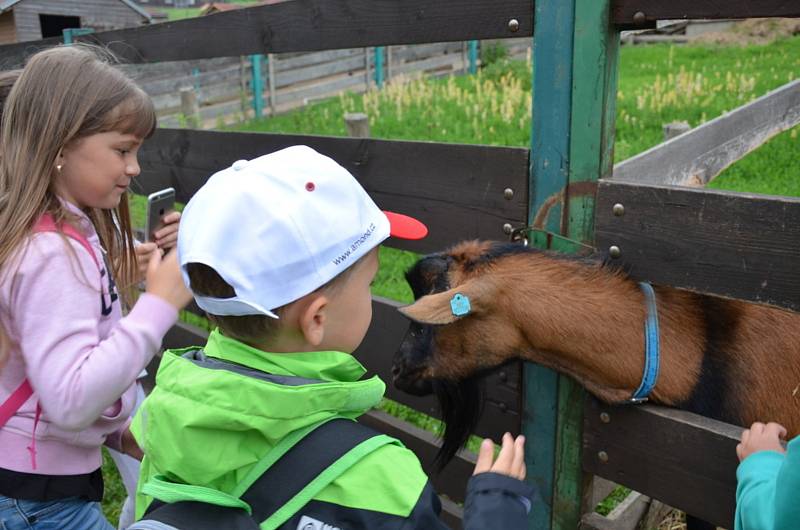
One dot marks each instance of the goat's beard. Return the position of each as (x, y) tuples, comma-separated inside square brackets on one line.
[(461, 403)]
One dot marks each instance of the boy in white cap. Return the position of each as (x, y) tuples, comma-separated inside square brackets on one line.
[(255, 429)]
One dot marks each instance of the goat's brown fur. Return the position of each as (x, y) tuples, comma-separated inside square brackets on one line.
[(587, 321)]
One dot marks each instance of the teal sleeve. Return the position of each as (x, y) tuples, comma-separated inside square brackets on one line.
[(766, 495), (787, 490)]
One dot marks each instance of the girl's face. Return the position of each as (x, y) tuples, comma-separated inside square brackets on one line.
[(97, 170)]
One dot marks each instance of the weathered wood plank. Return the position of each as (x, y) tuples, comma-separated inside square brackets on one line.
[(696, 157), (501, 404), (456, 190), (623, 11), (729, 244), (682, 459), (307, 25)]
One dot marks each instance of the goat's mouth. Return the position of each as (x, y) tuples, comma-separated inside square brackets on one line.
[(411, 381)]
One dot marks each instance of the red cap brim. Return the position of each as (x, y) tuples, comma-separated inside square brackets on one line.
[(405, 227)]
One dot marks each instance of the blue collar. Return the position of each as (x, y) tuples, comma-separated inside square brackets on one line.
[(652, 353)]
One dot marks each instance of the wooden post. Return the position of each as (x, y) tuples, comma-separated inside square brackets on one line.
[(674, 129), (189, 107), (272, 61), (367, 70), (357, 124), (473, 56), (575, 71)]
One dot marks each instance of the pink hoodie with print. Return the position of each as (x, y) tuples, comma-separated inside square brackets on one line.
[(80, 356)]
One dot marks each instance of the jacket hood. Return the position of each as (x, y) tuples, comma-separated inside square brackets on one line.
[(215, 412)]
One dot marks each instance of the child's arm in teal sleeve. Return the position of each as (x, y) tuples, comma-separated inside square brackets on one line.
[(755, 492), (787, 489)]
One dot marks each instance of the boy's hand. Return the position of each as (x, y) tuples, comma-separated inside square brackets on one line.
[(167, 235), (510, 461), (760, 437), (130, 447)]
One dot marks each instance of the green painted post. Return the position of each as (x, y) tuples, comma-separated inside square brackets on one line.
[(574, 89), (379, 75), (257, 85), (70, 33), (472, 54)]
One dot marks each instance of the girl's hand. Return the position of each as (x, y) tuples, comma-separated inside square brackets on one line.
[(510, 461), (760, 437), (143, 253), (167, 235), (164, 280), (130, 447)]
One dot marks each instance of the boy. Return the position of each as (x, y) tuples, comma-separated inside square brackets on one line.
[(769, 479), (280, 252)]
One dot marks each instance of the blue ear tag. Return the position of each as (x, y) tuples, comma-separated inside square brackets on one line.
[(459, 305)]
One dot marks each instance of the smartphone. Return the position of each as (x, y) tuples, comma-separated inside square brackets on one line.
[(159, 203)]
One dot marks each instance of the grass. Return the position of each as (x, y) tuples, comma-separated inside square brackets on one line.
[(179, 13), (658, 84)]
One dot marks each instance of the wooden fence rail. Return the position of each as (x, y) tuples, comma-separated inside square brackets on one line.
[(305, 26), (690, 463), (457, 190), (736, 245), (696, 157)]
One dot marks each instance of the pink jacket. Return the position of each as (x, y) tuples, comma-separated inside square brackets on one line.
[(78, 352)]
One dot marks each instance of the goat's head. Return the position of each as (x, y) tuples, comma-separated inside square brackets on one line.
[(445, 352)]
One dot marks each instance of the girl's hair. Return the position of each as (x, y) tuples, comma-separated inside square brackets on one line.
[(65, 94)]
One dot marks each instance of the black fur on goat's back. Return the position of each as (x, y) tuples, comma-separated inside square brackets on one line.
[(712, 396)]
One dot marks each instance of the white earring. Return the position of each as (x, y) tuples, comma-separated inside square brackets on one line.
[(59, 166)]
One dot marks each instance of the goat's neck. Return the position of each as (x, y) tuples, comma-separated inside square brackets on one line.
[(589, 323)]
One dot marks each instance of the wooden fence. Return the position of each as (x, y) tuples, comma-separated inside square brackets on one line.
[(458, 191)]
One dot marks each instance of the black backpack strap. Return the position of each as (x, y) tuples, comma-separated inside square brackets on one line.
[(278, 485), (301, 464)]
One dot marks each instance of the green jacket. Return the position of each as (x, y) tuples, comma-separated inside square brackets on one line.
[(768, 492), (216, 412)]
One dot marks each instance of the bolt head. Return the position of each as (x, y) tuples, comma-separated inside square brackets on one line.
[(618, 209), (507, 228), (508, 193), (614, 251), (639, 18), (605, 418), (602, 456), (513, 25)]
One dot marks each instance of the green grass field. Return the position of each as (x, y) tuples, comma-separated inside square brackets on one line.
[(658, 84)]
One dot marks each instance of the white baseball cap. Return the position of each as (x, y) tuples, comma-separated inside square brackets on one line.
[(279, 227)]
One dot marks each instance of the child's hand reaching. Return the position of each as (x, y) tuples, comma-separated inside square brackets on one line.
[(164, 280), (510, 461), (165, 238), (167, 235), (760, 437)]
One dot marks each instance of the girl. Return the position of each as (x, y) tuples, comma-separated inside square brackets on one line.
[(71, 129)]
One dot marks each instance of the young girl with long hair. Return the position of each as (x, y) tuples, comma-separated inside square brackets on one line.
[(71, 129)]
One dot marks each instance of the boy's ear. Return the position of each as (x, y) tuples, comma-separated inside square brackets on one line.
[(443, 308), (313, 318)]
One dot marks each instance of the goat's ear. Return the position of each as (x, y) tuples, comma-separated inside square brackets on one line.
[(437, 308)]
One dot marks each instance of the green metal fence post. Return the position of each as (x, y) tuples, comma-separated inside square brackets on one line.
[(472, 50), (379, 73), (257, 84), (574, 89), (70, 33)]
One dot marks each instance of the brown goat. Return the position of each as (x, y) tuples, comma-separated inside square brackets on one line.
[(725, 359)]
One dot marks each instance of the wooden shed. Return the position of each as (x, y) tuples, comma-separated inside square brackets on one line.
[(25, 20)]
